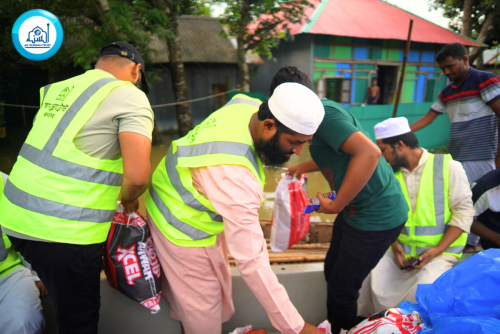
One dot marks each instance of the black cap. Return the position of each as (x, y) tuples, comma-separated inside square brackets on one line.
[(129, 52)]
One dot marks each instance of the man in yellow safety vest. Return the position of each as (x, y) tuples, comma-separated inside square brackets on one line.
[(204, 199), (440, 216), (91, 140)]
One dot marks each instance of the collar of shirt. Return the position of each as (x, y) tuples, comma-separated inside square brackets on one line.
[(421, 162), (455, 86)]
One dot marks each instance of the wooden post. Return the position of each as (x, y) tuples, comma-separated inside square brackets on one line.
[(402, 77)]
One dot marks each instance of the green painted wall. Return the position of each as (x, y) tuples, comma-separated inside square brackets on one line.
[(394, 54), (361, 91), (364, 66), (379, 54), (324, 65), (343, 52), (434, 135), (323, 51), (408, 90)]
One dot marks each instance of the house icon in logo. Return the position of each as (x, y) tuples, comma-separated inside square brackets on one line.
[(38, 35)]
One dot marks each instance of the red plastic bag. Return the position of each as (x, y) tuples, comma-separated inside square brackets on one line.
[(131, 264), (289, 223)]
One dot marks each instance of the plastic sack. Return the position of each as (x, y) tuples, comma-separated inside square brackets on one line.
[(465, 299), (288, 224), (131, 264), (390, 321), (326, 327), (247, 330)]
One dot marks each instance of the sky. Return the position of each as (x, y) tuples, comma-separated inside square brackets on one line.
[(421, 8)]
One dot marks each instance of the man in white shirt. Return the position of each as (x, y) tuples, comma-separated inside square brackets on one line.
[(441, 213)]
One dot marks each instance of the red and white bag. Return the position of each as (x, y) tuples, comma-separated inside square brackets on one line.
[(289, 223), (390, 321), (130, 262)]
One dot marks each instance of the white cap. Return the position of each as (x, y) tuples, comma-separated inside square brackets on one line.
[(297, 107), (391, 127)]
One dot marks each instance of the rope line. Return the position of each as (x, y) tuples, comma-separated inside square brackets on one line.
[(155, 106)]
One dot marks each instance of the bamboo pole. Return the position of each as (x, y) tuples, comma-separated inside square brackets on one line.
[(402, 77)]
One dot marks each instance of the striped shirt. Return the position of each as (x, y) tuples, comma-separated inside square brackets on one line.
[(474, 125)]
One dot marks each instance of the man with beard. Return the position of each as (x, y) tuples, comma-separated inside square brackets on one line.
[(472, 102), (204, 201), (440, 216), (370, 208)]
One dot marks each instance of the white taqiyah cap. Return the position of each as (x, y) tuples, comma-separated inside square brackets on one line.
[(297, 107), (392, 127)]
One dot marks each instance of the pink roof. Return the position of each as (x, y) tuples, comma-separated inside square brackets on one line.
[(373, 19)]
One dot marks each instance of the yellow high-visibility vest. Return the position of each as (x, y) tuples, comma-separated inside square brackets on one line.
[(183, 215), (9, 258), (55, 191), (426, 226)]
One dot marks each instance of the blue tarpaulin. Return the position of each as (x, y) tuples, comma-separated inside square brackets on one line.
[(465, 299)]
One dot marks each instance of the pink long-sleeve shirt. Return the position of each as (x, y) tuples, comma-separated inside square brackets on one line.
[(236, 195)]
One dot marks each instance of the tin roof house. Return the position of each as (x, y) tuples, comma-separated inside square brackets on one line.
[(342, 45)]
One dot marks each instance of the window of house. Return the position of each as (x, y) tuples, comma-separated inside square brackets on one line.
[(338, 89)]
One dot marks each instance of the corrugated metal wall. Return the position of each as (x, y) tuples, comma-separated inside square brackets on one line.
[(200, 80)]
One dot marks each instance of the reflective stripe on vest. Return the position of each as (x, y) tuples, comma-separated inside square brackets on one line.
[(171, 186), (225, 147), (439, 193), (44, 159), (239, 149), (242, 100), (420, 250), (415, 244)]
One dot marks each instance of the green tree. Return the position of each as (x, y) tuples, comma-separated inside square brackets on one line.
[(173, 9), (88, 26), (479, 19), (258, 25)]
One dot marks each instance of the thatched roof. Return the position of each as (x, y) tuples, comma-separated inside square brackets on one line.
[(201, 42)]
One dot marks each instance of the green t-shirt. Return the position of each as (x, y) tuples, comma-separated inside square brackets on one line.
[(380, 205)]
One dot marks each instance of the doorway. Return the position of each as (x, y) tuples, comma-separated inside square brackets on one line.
[(388, 83)]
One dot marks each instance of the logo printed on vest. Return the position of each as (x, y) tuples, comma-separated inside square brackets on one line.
[(64, 93), (130, 263)]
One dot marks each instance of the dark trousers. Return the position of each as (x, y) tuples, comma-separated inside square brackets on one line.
[(352, 255), (71, 274)]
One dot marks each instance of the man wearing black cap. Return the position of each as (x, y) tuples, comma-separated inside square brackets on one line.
[(91, 140)]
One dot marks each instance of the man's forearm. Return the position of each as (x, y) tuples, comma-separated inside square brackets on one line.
[(423, 121), (131, 191), (452, 233), (484, 232)]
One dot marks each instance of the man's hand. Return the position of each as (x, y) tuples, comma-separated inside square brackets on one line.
[(305, 167), (41, 288), (399, 254), (296, 171), (327, 205), (130, 207), (310, 329), (426, 256)]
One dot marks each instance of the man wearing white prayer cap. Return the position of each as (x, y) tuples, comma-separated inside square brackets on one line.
[(204, 201), (370, 206), (440, 217)]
